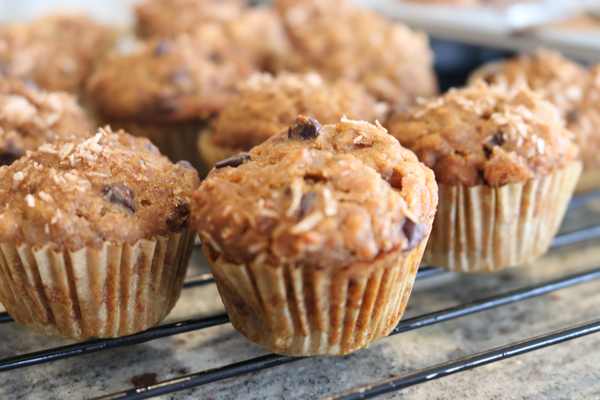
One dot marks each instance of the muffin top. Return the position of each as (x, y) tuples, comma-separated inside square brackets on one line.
[(560, 80), (266, 105), (339, 40), (77, 193), (186, 78), (585, 122), (336, 196), (168, 18), (30, 117), (55, 51), (486, 135)]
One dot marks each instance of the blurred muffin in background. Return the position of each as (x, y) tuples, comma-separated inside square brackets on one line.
[(266, 105), (56, 51), (166, 89), (339, 40), (30, 117), (258, 32)]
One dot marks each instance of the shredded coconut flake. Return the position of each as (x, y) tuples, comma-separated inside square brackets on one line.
[(19, 176), (30, 200), (307, 223), (46, 197)]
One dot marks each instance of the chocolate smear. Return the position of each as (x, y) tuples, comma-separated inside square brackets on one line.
[(118, 193)]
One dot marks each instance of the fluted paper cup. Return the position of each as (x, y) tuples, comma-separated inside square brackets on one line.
[(115, 291), (486, 229), (306, 310)]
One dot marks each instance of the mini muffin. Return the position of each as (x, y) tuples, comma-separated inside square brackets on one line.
[(265, 105), (169, 18), (315, 236), (585, 124), (166, 89), (94, 238), (30, 117), (339, 40), (506, 170), (56, 51)]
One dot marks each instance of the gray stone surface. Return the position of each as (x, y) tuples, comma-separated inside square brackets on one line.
[(568, 370)]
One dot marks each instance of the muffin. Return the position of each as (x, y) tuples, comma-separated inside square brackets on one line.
[(339, 40), (169, 18), (257, 32), (563, 82), (506, 169), (585, 124), (315, 236), (56, 52), (266, 105), (30, 117), (94, 237), (166, 90)]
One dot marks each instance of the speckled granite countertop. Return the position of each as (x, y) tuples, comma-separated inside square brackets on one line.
[(568, 370)]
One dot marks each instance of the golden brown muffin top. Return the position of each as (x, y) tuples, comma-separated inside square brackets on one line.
[(336, 196), (486, 135), (168, 18), (76, 193), (585, 122), (339, 40), (55, 51), (267, 104), (30, 117), (560, 80), (188, 78)]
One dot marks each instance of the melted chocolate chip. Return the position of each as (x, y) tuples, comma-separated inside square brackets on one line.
[(414, 233), (234, 161), (216, 58), (498, 139), (304, 128), (180, 218), (306, 202), (119, 194), (161, 49), (572, 116), (151, 148), (4, 68), (147, 379)]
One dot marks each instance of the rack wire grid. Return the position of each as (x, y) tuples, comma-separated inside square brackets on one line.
[(567, 265)]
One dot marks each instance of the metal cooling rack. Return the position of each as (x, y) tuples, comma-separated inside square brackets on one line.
[(369, 391)]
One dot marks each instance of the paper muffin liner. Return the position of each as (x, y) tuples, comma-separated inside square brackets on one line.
[(176, 140), (589, 181), (307, 310), (211, 153), (110, 292), (486, 229)]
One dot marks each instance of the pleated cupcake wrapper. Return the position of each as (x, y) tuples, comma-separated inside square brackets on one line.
[(115, 291), (212, 154), (305, 310), (589, 180), (485, 229), (175, 140)]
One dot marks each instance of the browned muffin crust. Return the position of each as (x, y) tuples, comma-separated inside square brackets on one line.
[(188, 78), (168, 18), (339, 40), (335, 196), (265, 105), (486, 135), (585, 123), (30, 117), (56, 51), (77, 193), (560, 80)]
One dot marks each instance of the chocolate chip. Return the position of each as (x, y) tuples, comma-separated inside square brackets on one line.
[(234, 161), (396, 109), (304, 128), (180, 218), (306, 202), (30, 83), (414, 233), (4, 68), (572, 116), (167, 105), (498, 139), (216, 58), (119, 194), (151, 148), (161, 49)]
